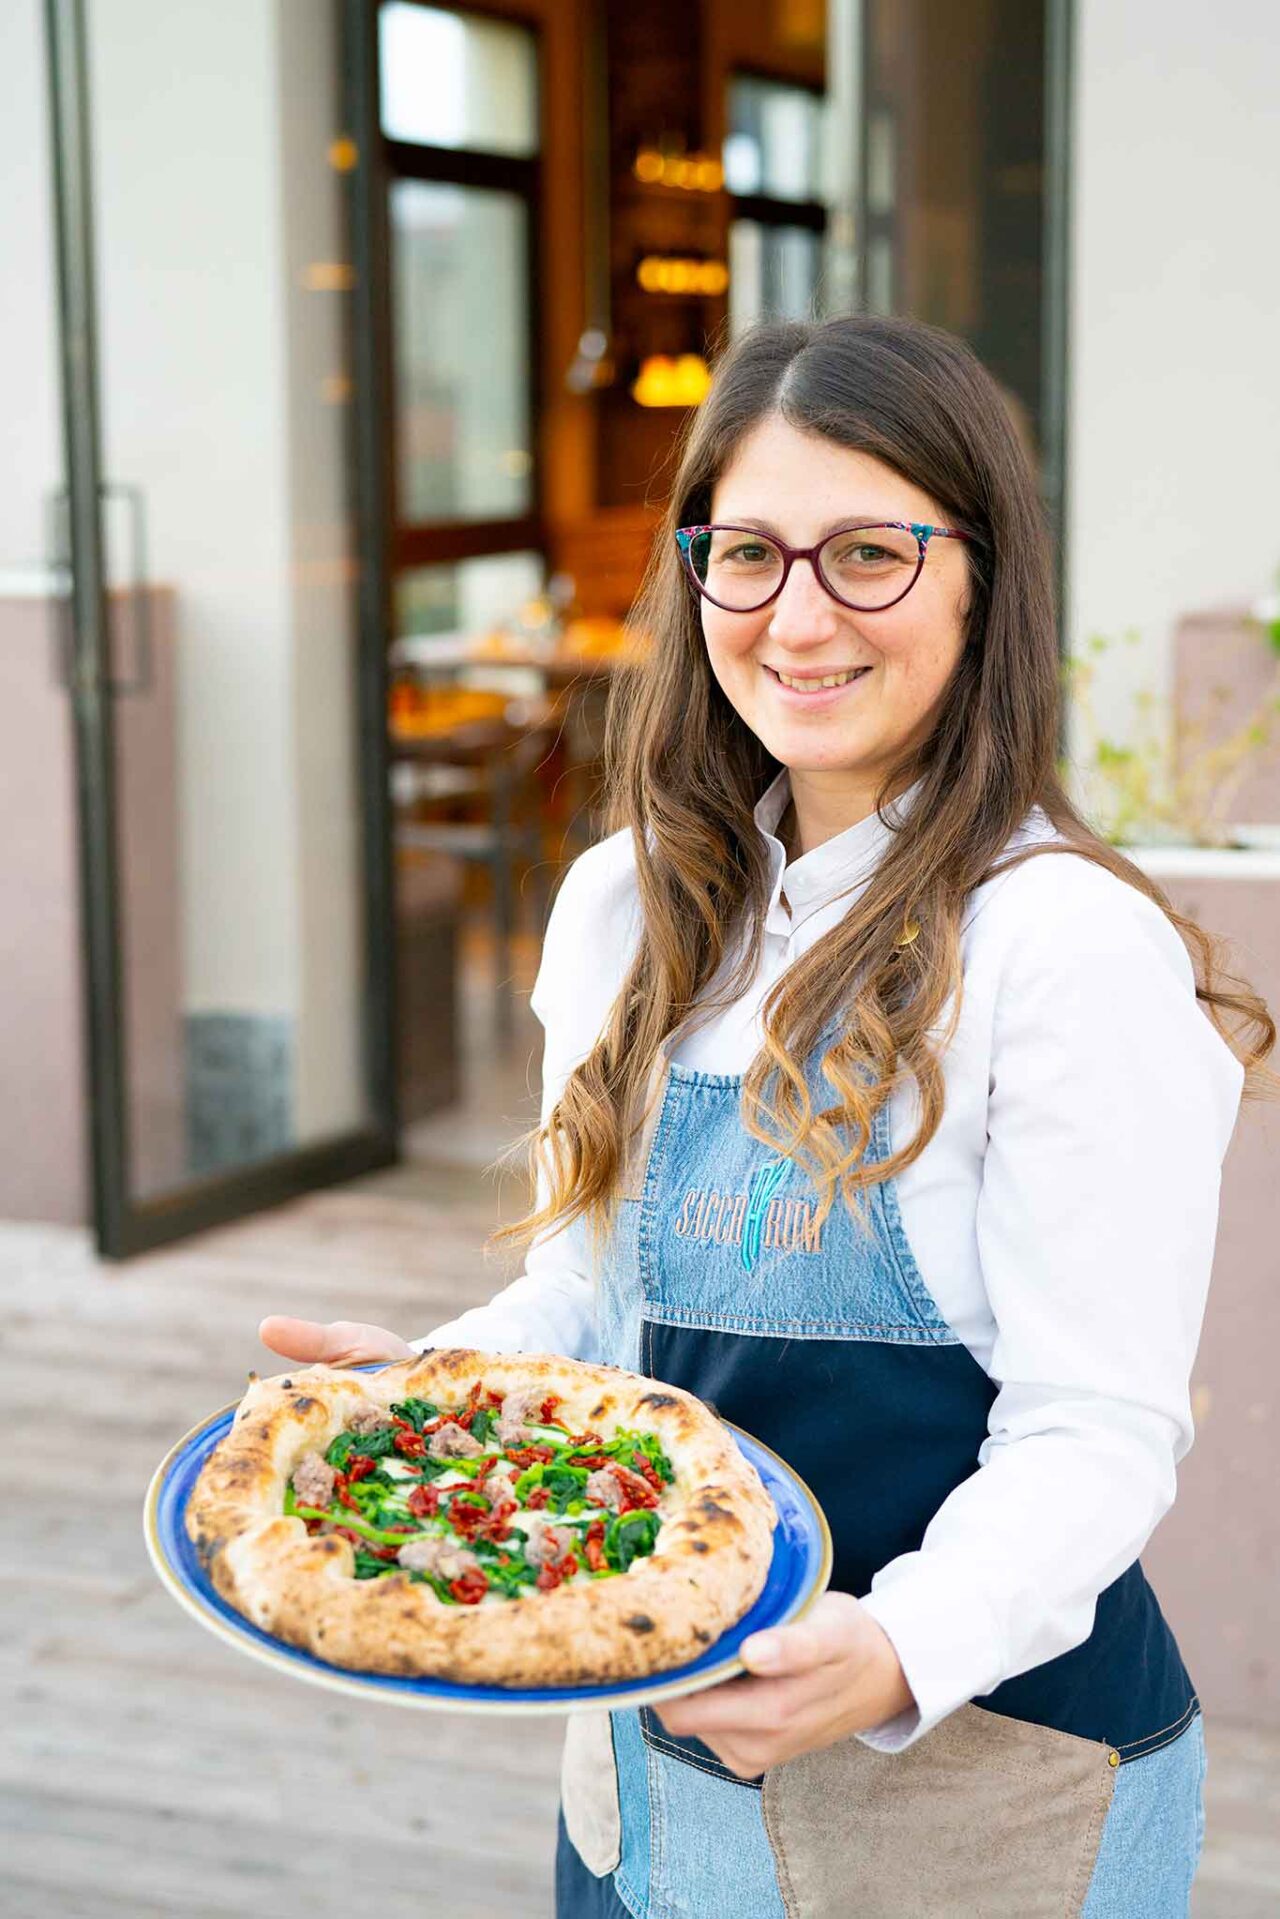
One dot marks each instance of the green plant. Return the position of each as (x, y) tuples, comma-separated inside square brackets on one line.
[(1171, 778)]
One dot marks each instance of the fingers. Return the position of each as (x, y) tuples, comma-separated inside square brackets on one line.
[(740, 1707), (343, 1342), (830, 1632)]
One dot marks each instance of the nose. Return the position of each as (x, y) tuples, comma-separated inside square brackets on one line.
[(804, 613)]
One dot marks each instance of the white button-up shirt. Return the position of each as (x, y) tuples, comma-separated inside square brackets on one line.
[(1063, 1217)]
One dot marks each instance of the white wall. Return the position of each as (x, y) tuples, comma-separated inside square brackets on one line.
[(1174, 414)]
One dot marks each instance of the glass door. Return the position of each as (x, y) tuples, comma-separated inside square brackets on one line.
[(226, 661)]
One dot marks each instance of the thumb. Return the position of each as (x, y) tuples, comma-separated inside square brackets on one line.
[(824, 1635), (343, 1342)]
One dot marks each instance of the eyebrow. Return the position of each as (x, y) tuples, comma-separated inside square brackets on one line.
[(844, 523)]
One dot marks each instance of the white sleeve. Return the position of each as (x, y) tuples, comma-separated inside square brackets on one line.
[(1111, 1105), (551, 1307)]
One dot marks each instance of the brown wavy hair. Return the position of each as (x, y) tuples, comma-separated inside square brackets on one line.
[(684, 774)]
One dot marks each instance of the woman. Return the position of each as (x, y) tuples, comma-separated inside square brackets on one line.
[(880, 1111)]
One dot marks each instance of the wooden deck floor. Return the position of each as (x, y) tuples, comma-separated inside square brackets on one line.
[(148, 1771)]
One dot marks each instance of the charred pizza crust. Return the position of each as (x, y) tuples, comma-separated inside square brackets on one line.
[(708, 1567)]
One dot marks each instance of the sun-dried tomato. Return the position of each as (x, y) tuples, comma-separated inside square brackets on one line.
[(594, 1544), (554, 1574), (537, 1497), (529, 1455), (359, 1466), (465, 1518), (411, 1444), (594, 1461), (587, 1439), (470, 1587), (649, 1471), (635, 1490), (546, 1412), (424, 1501), (495, 1526)]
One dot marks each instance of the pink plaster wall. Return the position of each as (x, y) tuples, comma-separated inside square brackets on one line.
[(1224, 667), (1215, 1561)]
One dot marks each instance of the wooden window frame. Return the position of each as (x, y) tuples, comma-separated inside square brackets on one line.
[(762, 208), (421, 543)]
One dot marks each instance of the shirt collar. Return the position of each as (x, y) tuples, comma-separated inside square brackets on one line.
[(840, 865)]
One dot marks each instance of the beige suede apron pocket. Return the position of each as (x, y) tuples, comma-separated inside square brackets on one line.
[(984, 1818), (589, 1792)]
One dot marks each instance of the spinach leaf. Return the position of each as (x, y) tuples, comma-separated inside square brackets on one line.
[(482, 1424), (416, 1411), (565, 1484), (371, 1445), (628, 1448), (629, 1536), (369, 1566)]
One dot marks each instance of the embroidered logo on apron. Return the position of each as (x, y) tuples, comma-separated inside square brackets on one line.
[(752, 1221)]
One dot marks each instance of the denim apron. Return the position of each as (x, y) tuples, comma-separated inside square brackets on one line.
[(827, 1344)]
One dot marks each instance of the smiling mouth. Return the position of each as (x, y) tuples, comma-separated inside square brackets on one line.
[(817, 684)]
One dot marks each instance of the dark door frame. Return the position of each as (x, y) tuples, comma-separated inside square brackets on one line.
[(123, 1224)]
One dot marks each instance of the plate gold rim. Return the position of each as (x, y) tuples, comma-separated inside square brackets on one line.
[(299, 1664)]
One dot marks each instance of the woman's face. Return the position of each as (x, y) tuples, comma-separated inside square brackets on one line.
[(838, 740)]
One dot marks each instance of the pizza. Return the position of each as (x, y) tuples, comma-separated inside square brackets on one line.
[(515, 1520)]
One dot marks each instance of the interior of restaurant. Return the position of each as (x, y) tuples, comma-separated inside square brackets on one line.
[(582, 199), (341, 438)]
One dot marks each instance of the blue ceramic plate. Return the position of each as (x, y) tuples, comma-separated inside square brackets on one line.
[(799, 1573)]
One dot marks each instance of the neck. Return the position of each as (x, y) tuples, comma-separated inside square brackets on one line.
[(817, 811)]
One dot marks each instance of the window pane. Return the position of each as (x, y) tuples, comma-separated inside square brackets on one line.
[(455, 80), (462, 352), (773, 273), (775, 140), (466, 596)]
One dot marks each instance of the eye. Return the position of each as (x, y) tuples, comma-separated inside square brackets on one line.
[(749, 553)]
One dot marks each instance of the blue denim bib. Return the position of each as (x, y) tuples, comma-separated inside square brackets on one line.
[(825, 1343)]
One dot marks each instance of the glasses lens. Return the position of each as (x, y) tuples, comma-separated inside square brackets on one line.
[(870, 566), (740, 570)]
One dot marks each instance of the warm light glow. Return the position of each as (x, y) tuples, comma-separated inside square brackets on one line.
[(328, 276), (673, 273), (694, 172), (667, 381), (648, 166), (344, 154)]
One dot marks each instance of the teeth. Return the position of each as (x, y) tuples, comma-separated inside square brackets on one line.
[(812, 686)]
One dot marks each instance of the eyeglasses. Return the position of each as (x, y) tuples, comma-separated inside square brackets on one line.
[(867, 567)]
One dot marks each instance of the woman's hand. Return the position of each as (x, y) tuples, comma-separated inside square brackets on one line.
[(341, 1343), (831, 1674)]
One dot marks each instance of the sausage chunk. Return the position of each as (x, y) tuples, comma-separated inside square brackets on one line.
[(544, 1540), (519, 1411), (453, 1442), (434, 1554), (368, 1419), (313, 1479), (603, 1489)]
